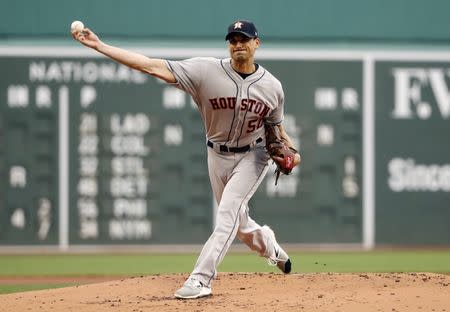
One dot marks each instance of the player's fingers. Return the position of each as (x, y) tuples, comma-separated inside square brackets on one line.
[(79, 35), (76, 35)]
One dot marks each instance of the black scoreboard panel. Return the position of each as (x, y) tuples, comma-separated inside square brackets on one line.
[(136, 155), (321, 202)]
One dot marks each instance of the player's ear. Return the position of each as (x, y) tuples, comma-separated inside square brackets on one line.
[(257, 42)]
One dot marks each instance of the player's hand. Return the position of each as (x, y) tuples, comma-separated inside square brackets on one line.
[(87, 37)]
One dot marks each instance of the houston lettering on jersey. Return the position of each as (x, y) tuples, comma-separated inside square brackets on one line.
[(250, 105)]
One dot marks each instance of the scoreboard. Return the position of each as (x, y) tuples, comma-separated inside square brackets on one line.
[(110, 154), (322, 201), (94, 153)]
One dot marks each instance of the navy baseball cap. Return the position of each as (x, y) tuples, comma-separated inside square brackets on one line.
[(245, 28)]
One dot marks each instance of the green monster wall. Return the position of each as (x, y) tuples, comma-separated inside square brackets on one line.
[(93, 153), (413, 21)]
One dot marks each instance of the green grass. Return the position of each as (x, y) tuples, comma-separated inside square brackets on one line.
[(98, 265), (420, 261), (138, 264), (146, 264), (7, 289)]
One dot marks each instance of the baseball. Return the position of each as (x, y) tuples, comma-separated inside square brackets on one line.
[(76, 26)]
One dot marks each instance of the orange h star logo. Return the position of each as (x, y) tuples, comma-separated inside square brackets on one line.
[(237, 25)]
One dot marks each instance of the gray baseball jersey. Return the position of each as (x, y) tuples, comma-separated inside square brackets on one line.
[(233, 110)]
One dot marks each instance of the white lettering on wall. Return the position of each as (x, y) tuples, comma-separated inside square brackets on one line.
[(89, 72), (325, 135), (405, 175), (18, 176), (173, 135), (173, 98), (408, 86), (129, 145), (129, 184), (325, 98), (129, 165), (130, 229), (18, 218), (44, 217), (18, 96), (88, 94), (350, 101), (350, 185), (88, 187), (130, 124), (43, 97)]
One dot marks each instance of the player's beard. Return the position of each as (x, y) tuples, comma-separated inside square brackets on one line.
[(241, 57)]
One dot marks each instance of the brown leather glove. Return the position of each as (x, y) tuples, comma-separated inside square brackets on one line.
[(281, 154)]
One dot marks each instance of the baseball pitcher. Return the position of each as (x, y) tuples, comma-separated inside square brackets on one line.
[(241, 105)]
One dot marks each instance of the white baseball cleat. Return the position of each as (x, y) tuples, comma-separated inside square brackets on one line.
[(280, 257), (192, 289)]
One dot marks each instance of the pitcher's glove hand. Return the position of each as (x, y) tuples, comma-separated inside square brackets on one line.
[(281, 154)]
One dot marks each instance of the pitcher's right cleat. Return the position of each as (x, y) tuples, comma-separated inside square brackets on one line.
[(192, 289), (281, 258)]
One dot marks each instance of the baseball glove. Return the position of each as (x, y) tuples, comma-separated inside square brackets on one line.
[(282, 155)]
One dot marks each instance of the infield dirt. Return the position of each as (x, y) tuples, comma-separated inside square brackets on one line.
[(248, 292)]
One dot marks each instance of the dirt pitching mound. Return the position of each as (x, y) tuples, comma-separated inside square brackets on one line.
[(248, 292)]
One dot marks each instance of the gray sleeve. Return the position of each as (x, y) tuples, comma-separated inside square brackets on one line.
[(188, 73), (277, 115)]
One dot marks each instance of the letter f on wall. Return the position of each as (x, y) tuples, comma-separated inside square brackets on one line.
[(408, 83)]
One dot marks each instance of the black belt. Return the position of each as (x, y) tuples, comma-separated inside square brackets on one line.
[(242, 149)]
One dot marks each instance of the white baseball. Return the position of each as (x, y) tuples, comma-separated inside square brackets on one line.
[(76, 26)]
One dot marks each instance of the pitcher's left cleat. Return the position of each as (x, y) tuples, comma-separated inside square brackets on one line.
[(281, 258), (192, 289)]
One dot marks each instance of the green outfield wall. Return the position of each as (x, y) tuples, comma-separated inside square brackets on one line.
[(93, 153), (287, 20)]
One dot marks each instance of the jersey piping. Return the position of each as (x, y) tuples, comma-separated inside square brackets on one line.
[(248, 96), (246, 198), (237, 91)]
